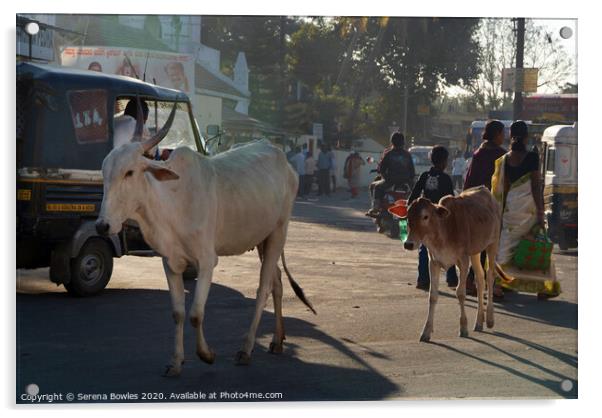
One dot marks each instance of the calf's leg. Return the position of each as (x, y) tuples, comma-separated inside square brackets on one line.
[(461, 295), (176, 291), (435, 271), (480, 282), (491, 253)]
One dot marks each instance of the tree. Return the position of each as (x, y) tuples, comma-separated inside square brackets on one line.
[(498, 50), (416, 57), (356, 70), (314, 54), (263, 39)]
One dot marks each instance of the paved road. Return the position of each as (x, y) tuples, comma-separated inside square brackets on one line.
[(362, 345)]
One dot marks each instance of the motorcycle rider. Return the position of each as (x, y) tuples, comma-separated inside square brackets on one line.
[(396, 168)]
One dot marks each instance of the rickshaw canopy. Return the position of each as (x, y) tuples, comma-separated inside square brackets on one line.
[(64, 115)]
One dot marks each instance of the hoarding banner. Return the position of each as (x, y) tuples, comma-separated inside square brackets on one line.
[(166, 69)]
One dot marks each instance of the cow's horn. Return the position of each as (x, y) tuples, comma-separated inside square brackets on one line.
[(150, 143), (139, 120)]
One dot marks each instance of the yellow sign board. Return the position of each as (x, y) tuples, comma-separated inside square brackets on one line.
[(520, 79), (24, 194), (69, 207)]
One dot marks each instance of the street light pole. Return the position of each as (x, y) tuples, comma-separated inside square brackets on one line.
[(520, 53)]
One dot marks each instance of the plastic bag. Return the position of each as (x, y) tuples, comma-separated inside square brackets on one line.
[(534, 251)]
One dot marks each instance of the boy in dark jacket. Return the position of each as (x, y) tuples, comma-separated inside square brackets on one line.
[(433, 185)]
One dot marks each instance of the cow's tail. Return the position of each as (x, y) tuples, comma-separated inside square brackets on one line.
[(298, 291)]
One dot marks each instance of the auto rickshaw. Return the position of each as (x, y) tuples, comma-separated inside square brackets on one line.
[(65, 127), (559, 169)]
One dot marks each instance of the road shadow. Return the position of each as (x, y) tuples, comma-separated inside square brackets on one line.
[(554, 383), (559, 355), (555, 312), (121, 340)]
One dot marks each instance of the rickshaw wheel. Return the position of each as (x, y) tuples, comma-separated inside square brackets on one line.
[(91, 270), (562, 241)]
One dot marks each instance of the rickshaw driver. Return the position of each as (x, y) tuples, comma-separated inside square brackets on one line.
[(125, 125)]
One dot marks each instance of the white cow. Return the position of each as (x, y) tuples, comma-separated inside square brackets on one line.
[(192, 209)]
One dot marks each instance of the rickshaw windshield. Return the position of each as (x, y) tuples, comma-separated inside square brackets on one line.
[(180, 134)]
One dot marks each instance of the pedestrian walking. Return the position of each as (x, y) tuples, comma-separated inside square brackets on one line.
[(310, 171), (352, 172), (479, 173), (516, 184), (324, 163), (433, 185), (333, 169), (298, 162), (458, 168)]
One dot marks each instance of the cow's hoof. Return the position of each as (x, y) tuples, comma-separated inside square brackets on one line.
[(463, 333), (424, 338), (478, 327), (490, 323), (242, 359), (276, 348), (208, 358)]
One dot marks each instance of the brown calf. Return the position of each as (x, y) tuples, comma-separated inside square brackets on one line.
[(456, 231)]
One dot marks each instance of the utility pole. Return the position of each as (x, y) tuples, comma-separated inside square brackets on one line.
[(405, 79), (405, 104), (519, 81)]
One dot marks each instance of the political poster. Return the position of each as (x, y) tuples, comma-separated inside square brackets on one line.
[(166, 69)]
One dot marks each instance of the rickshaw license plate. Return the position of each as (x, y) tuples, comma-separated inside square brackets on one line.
[(69, 207), (24, 194)]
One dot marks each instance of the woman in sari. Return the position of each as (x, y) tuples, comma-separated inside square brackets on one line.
[(479, 173), (353, 167), (516, 184)]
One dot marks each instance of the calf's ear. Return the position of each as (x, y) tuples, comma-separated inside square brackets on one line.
[(161, 173), (442, 211)]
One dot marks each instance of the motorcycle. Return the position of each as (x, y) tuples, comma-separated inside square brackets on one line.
[(384, 221)]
